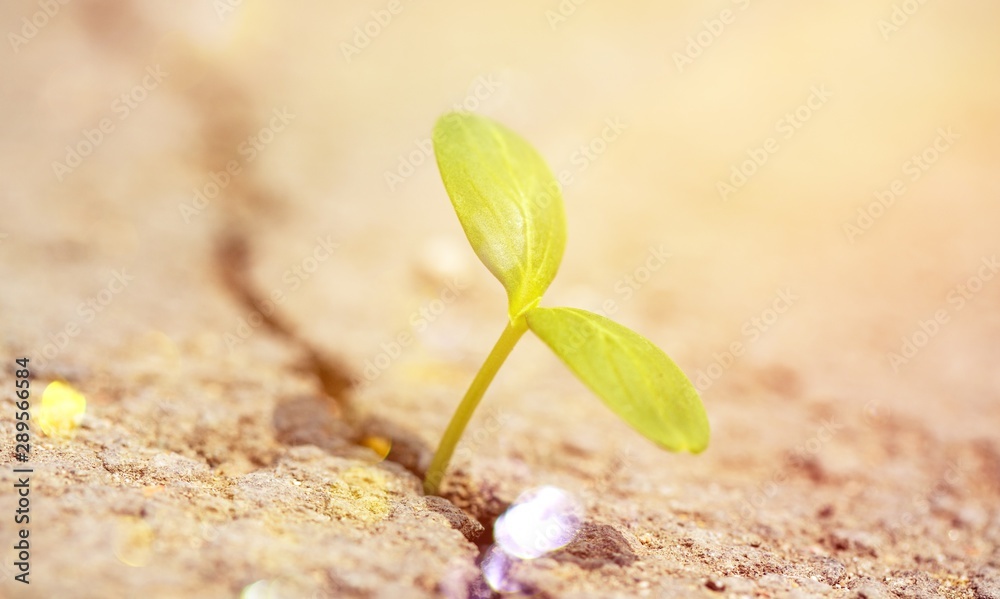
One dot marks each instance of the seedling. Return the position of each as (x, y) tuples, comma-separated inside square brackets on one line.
[(511, 209)]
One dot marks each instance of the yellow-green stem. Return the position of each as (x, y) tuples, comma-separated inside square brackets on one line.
[(511, 333)]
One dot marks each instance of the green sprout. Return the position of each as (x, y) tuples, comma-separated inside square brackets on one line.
[(511, 209)]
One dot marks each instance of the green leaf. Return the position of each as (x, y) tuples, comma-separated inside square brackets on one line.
[(508, 202), (634, 377)]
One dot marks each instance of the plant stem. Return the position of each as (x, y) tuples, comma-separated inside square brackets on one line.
[(511, 333)]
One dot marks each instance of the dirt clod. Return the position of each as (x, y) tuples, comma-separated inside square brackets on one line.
[(307, 421), (829, 570), (914, 585), (596, 545), (471, 529), (868, 588), (986, 583)]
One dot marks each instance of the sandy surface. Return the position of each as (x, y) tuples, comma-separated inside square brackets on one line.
[(226, 453)]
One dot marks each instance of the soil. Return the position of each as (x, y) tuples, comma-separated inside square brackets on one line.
[(266, 389)]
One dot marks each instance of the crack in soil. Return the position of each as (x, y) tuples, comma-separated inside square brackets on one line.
[(248, 202), (233, 260)]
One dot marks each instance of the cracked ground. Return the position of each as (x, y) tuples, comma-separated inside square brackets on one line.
[(223, 225)]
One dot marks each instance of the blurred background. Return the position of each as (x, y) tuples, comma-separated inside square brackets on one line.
[(656, 120), (798, 202)]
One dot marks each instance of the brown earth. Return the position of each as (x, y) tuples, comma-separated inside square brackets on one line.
[(226, 453)]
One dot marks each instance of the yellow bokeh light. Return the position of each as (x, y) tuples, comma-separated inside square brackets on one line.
[(133, 543), (380, 445), (61, 411)]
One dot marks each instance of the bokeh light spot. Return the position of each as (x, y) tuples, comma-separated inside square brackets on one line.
[(133, 542), (496, 568), (380, 445), (540, 520), (61, 411)]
